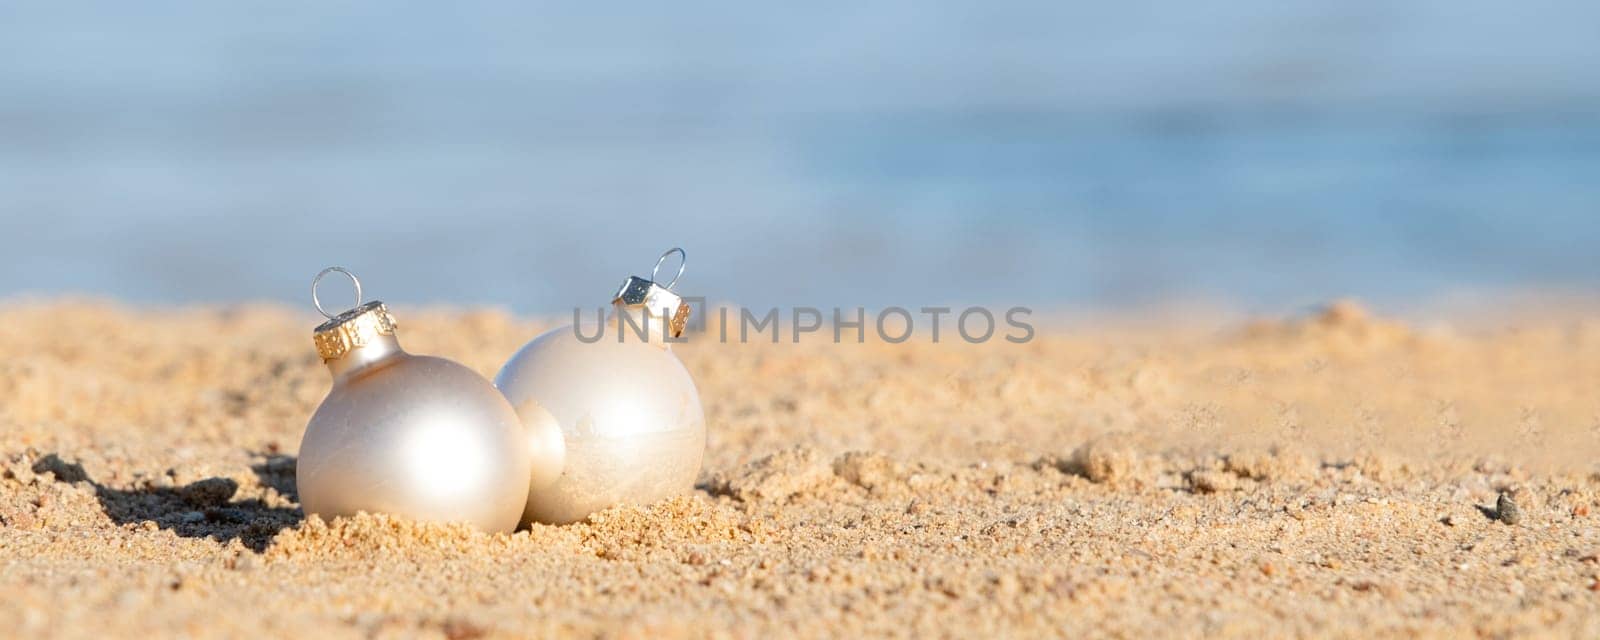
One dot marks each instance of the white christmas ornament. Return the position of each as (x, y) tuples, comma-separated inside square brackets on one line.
[(414, 436), (614, 420)]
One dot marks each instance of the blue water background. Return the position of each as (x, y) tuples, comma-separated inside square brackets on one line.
[(1259, 154)]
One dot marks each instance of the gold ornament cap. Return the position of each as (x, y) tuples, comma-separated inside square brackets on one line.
[(352, 329), (657, 300)]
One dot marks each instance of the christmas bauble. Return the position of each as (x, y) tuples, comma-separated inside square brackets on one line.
[(414, 436), (623, 409)]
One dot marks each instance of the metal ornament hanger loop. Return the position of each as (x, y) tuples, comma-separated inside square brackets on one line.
[(318, 280), (683, 261)]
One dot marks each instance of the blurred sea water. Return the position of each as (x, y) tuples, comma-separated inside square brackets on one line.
[(830, 154)]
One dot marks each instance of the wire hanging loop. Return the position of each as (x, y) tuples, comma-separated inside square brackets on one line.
[(315, 282), (683, 261)]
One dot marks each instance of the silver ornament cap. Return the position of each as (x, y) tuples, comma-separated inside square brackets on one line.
[(657, 301)]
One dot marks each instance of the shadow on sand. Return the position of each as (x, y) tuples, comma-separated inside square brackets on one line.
[(202, 509)]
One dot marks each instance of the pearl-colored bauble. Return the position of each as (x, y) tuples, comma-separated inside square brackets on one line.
[(630, 424), (414, 436)]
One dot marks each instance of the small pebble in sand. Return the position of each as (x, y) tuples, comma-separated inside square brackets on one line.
[(209, 492), (245, 563), (1212, 481), (1507, 510)]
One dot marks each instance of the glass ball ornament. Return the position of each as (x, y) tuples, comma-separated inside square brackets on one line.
[(415, 436), (616, 419)]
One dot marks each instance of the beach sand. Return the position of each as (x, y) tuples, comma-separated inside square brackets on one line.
[(1334, 474)]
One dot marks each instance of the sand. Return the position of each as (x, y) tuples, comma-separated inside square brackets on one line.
[(1335, 474)]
